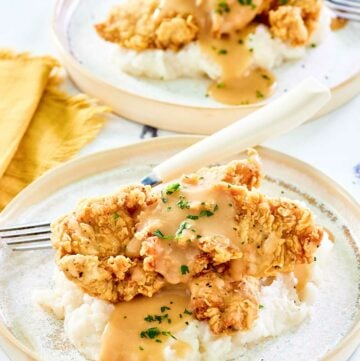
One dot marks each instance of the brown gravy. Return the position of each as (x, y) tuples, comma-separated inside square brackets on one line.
[(241, 82), (128, 336), (338, 23), (302, 272)]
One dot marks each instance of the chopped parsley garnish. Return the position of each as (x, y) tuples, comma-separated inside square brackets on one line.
[(260, 307), (247, 3), (216, 207), (141, 348), (184, 269), (156, 318), (220, 85), (222, 52), (313, 45), (164, 200), (187, 312), (183, 225), (168, 208), (264, 76), (172, 188), (161, 235), (190, 216), (116, 216), (222, 7), (164, 308), (183, 203), (158, 340), (240, 41), (151, 333), (206, 213), (259, 94)]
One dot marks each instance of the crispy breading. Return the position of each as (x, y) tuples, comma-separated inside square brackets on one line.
[(226, 234), (275, 234), (296, 21), (100, 226), (91, 240), (287, 24), (138, 25), (226, 304), (247, 173)]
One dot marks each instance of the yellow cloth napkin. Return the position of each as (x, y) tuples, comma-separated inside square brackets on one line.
[(40, 126)]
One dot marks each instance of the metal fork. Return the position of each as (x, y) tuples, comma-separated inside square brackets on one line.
[(27, 237), (347, 9)]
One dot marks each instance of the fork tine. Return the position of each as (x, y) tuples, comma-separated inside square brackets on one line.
[(348, 3), (24, 226), (24, 232), (31, 239), (346, 9), (349, 16), (32, 247)]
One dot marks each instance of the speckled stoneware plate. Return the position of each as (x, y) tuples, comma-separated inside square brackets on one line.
[(332, 332), (181, 105)]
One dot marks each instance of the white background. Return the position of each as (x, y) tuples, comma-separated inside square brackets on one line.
[(331, 144)]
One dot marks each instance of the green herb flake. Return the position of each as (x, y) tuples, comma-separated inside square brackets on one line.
[(187, 312), (240, 41), (260, 307), (220, 85), (184, 269), (161, 235), (183, 203), (141, 348), (172, 188), (313, 45), (116, 216), (259, 94), (190, 216), (206, 213), (151, 333), (222, 52), (264, 76), (183, 225)]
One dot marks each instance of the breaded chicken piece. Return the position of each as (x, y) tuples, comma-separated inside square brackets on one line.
[(232, 15), (226, 304), (139, 25), (296, 21), (247, 173), (91, 241), (100, 226)]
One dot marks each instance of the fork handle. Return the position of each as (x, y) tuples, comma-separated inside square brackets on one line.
[(278, 117)]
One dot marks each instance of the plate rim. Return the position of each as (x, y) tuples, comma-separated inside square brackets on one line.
[(342, 350), (58, 7)]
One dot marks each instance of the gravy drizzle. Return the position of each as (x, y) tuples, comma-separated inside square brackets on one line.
[(241, 82), (139, 330)]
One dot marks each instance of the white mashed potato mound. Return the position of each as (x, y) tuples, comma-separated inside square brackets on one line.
[(191, 62), (85, 317)]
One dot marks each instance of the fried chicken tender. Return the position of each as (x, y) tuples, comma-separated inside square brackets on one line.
[(211, 230), (92, 240), (226, 304), (246, 173), (296, 21), (139, 25)]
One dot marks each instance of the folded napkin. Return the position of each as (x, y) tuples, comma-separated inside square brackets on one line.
[(40, 126)]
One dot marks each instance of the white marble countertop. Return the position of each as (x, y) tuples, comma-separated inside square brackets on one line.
[(331, 144)]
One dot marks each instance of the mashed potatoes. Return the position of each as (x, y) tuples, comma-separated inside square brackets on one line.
[(85, 317), (191, 62)]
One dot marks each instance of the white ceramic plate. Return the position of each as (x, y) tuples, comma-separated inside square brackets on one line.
[(333, 329), (181, 105)]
